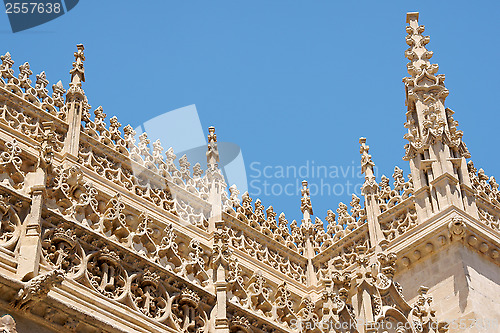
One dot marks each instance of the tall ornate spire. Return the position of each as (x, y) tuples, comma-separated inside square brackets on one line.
[(435, 148), (428, 120)]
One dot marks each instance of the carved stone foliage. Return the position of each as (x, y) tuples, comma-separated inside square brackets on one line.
[(121, 173), (71, 194), (282, 262), (12, 170), (12, 211), (398, 223), (423, 314), (284, 306), (29, 123), (259, 295), (385, 298), (488, 203), (389, 197), (338, 225), (22, 86), (344, 253), (274, 303), (145, 172), (185, 312), (239, 324)]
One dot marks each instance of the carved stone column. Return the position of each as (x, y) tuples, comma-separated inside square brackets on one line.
[(30, 242), (220, 265), (361, 298)]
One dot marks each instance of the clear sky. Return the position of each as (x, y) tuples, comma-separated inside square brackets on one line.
[(291, 82)]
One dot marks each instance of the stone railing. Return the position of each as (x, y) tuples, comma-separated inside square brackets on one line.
[(340, 225), (399, 219), (389, 197), (343, 252), (266, 250)]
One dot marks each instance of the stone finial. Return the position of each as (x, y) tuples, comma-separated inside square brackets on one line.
[(213, 150), (417, 53), (78, 71), (6, 70), (305, 202), (366, 158), (24, 75), (367, 165), (75, 92)]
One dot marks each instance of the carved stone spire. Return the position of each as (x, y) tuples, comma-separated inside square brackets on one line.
[(215, 178), (435, 148), (428, 120), (371, 193), (76, 108), (308, 230), (213, 150)]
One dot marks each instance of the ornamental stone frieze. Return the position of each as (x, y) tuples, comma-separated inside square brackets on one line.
[(104, 230)]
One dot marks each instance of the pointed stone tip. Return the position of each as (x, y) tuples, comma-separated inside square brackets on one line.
[(362, 140), (80, 47), (411, 16), (304, 183)]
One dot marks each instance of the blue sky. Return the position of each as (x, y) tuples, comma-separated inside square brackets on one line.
[(290, 82)]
